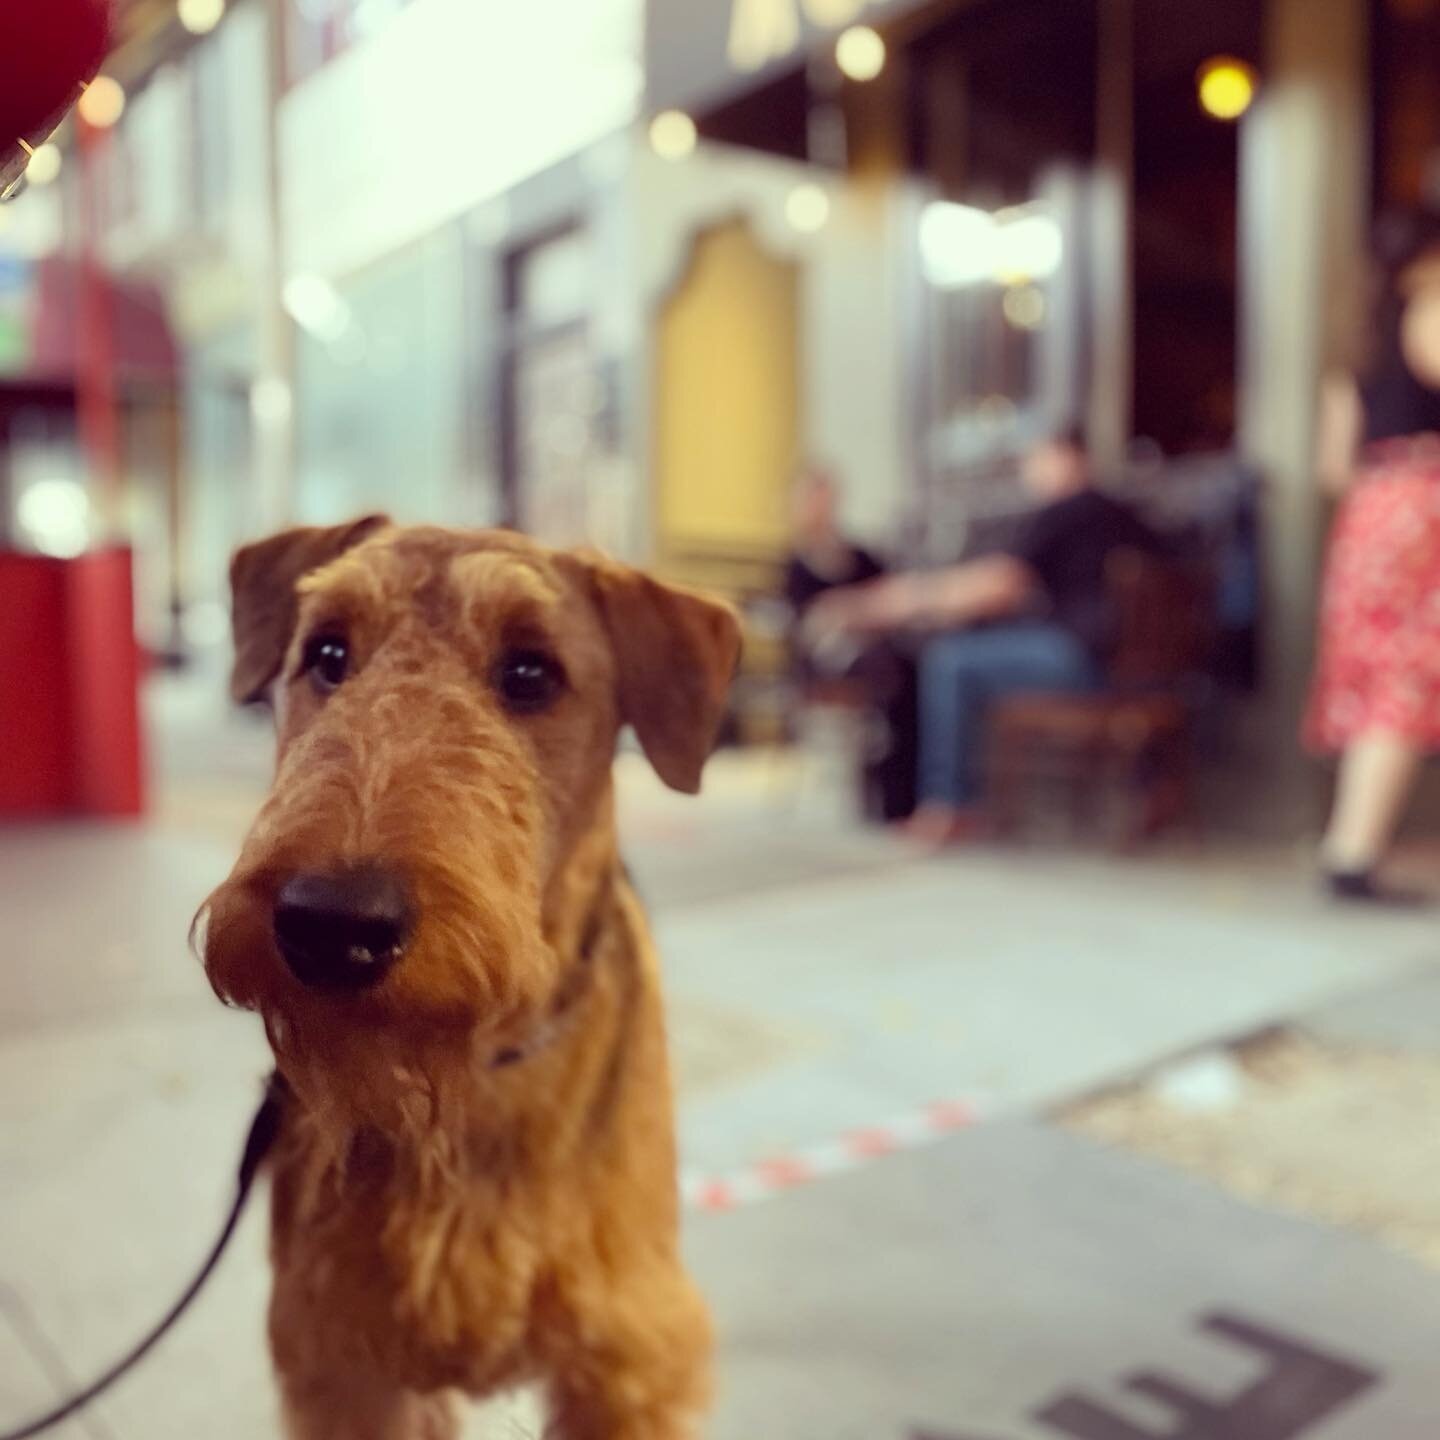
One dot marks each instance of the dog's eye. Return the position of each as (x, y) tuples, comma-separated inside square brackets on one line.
[(529, 680), (327, 661)]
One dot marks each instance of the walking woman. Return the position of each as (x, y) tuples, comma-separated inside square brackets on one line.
[(1376, 697)]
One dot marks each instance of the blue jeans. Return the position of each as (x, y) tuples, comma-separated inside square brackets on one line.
[(962, 674)]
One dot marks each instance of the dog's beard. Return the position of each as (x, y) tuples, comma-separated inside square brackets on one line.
[(474, 984), (402, 1084), (474, 979), (393, 1116)]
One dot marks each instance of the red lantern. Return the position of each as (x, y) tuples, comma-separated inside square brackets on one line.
[(50, 48)]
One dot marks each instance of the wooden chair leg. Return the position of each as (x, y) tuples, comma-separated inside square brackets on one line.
[(1004, 769), (1176, 800), (1086, 783), (1163, 767)]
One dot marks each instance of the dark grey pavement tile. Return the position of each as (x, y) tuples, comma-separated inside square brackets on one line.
[(1005, 1284)]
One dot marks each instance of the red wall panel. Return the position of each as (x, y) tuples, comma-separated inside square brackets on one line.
[(69, 671)]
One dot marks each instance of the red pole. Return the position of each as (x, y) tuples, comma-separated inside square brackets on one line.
[(97, 388), (104, 657)]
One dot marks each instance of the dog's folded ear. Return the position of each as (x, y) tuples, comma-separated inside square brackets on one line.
[(263, 577), (675, 655)]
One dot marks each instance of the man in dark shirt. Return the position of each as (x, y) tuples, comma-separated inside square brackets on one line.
[(1066, 546), (1035, 618)]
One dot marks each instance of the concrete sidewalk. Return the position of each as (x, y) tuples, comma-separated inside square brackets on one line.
[(1020, 1284), (820, 980), (1012, 980)]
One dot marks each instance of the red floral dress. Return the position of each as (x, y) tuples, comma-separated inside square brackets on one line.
[(1379, 654)]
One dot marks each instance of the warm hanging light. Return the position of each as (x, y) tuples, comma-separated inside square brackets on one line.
[(1024, 306), (807, 208), (673, 135), (960, 245), (45, 163), (1226, 87), (200, 17), (103, 102), (860, 53)]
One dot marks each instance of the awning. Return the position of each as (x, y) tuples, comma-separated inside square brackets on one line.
[(46, 332)]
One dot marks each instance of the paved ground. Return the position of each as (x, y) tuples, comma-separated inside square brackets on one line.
[(1013, 1283), (821, 982), (1332, 1117)]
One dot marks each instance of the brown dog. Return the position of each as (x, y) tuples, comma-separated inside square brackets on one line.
[(475, 1181)]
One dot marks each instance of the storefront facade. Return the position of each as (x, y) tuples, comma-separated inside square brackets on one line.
[(1153, 265)]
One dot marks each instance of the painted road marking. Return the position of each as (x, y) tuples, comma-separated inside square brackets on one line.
[(778, 1173)]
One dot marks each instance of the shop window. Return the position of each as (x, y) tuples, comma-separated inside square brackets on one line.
[(319, 30), (381, 402), (553, 388)]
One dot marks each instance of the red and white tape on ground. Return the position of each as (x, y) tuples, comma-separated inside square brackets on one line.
[(829, 1157)]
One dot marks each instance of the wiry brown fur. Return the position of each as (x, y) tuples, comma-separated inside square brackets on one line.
[(444, 1219)]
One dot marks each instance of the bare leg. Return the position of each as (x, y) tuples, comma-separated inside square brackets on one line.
[(1376, 773), (364, 1408), (934, 826)]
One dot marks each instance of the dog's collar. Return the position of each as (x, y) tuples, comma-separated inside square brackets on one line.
[(572, 988)]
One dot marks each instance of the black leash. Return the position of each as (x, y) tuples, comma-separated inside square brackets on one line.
[(263, 1130)]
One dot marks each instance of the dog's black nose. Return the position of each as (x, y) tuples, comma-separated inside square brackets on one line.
[(343, 931)]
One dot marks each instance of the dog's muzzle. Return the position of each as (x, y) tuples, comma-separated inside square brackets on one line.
[(343, 931)]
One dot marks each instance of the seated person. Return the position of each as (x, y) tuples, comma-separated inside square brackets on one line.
[(823, 561), (821, 557), (1035, 618)]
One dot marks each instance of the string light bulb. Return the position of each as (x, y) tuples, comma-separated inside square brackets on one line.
[(673, 135), (200, 17), (102, 103), (1226, 87), (860, 53), (807, 208), (45, 163)]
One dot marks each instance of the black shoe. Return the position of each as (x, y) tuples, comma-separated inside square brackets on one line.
[(1362, 886)]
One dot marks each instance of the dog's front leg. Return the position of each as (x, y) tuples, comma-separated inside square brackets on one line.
[(640, 1366), (363, 1407)]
